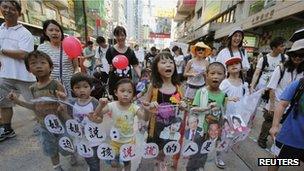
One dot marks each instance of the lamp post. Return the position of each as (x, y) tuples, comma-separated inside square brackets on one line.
[(85, 21)]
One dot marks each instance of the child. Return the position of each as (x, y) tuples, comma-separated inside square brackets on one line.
[(122, 112), (41, 65), (234, 85), (211, 99), (83, 107), (164, 91), (195, 69), (141, 87)]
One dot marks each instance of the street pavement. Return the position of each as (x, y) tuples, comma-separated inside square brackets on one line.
[(23, 152)]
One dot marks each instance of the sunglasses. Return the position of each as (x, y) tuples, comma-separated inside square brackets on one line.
[(199, 49)]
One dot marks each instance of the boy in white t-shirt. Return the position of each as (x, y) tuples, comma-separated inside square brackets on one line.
[(267, 64)]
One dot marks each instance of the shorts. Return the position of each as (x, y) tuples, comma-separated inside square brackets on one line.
[(191, 91), (50, 143), (288, 152), (19, 87)]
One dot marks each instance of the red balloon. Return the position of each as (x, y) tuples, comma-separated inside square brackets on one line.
[(72, 47), (120, 62)]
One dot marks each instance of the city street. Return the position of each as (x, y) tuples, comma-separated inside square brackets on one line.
[(23, 152)]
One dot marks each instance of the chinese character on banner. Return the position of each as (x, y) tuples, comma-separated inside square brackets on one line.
[(84, 150), (171, 148), (105, 152), (208, 146), (66, 144), (114, 134), (150, 150), (73, 128), (94, 133), (127, 152), (189, 149), (53, 124), (223, 145)]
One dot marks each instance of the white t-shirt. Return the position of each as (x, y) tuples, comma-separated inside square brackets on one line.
[(140, 55), (224, 55), (179, 63), (15, 38), (100, 53), (273, 62), (233, 91), (287, 78)]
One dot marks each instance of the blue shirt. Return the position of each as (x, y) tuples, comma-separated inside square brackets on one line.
[(292, 131)]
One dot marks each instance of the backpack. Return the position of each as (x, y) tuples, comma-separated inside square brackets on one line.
[(294, 103), (265, 64)]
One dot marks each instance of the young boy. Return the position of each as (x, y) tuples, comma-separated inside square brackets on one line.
[(84, 106), (41, 65), (211, 100)]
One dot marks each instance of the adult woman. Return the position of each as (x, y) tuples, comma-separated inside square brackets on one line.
[(63, 66), (234, 49), (120, 48)]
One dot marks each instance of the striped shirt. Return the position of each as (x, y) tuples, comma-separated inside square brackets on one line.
[(67, 64)]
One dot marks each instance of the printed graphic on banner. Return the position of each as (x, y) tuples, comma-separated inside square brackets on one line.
[(127, 152), (84, 150), (105, 152), (151, 150), (208, 146), (66, 144), (94, 133), (74, 128), (53, 124), (166, 112), (171, 132), (189, 149), (223, 145), (114, 134), (171, 148)]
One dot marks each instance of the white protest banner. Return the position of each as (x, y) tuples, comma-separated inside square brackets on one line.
[(84, 150), (189, 149), (208, 146), (171, 148), (105, 152), (127, 152), (74, 128), (94, 133), (66, 144), (151, 150), (53, 124)]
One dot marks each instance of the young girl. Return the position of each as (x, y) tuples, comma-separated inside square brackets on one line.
[(234, 85), (195, 69), (122, 112), (162, 94), (179, 61), (212, 100)]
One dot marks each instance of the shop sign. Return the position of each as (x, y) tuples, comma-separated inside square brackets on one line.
[(262, 17)]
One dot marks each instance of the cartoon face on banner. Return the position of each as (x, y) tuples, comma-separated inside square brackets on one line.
[(208, 146), (74, 128), (94, 133), (114, 134), (171, 132), (66, 144), (238, 123), (105, 152), (171, 148), (84, 150), (189, 149), (151, 150), (127, 152), (53, 124)]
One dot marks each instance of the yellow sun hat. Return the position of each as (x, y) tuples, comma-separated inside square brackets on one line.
[(202, 45)]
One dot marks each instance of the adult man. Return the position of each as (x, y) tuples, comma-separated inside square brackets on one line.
[(89, 54), (100, 54), (15, 42), (193, 130)]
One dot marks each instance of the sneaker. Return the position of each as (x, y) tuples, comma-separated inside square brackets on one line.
[(4, 134), (220, 163), (73, 160), (262, 144)]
